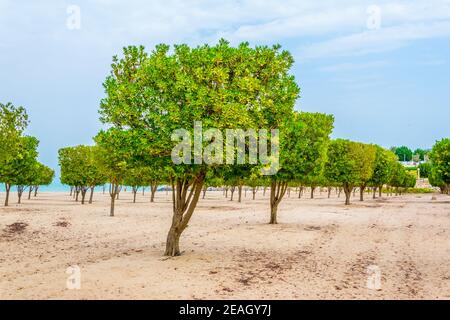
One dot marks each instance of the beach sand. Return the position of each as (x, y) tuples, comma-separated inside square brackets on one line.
[(320, 249)]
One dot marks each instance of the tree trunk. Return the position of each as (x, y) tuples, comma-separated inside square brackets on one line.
[(254, 190), (111, 211), (153, 189), (226, 193), (30, 190), (240, 193), (232, 192), (19, 193), (300, 192), (273, 214), (380, 191), (77, 192), (264, 191), (277, 192), (329, 192), (36, 188), (361, 193), (134, 190), (374, 192), (348, 193), (113, 190), (7, 189), (205, 188), (119, 189), (83, 194), (184, 203), (71, 191), (312, 192), (143, 191), (91, 197)]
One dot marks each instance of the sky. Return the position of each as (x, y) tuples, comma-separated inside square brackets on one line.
[(380, 67)]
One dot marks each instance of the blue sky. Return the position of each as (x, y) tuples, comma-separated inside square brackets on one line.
[(381, 67)]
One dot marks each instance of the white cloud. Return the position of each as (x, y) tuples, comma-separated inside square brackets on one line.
[(351, 66), (118, 23), (373, 41)]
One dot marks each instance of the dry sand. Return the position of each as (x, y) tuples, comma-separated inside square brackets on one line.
[(319, 250)]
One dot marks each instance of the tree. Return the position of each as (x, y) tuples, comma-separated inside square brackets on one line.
[(221, 86), (303, 146), (255, 181), (398, 177), (410, 180), (384, 162), (79, 168), (425, 169), (350, 164), (313, 182), (13, 121), (403, 153), (136, 177), (440, 160), (18, 169), (370, 155), (212, 179), (114, 151), (435, 179), (421, 153), (43, 176)]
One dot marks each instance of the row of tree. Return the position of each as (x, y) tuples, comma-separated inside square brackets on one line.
[(82, 169), (439, 166), (404, 153), (18, 154), (150, 95)]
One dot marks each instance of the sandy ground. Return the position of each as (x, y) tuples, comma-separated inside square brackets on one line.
[(319, 250)]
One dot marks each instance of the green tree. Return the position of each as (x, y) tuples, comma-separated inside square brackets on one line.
[(18, 169), (114, 154), (435, 179), (221, 86), (384, 162), (212, 179), (303, 149), (425, 169), (410, 180), (136, 177), (403, 153), (255, 181), (398, 177), (79, 168), (350, 164), (440, 160), (42, 176), (422, 153), (13, 121)]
